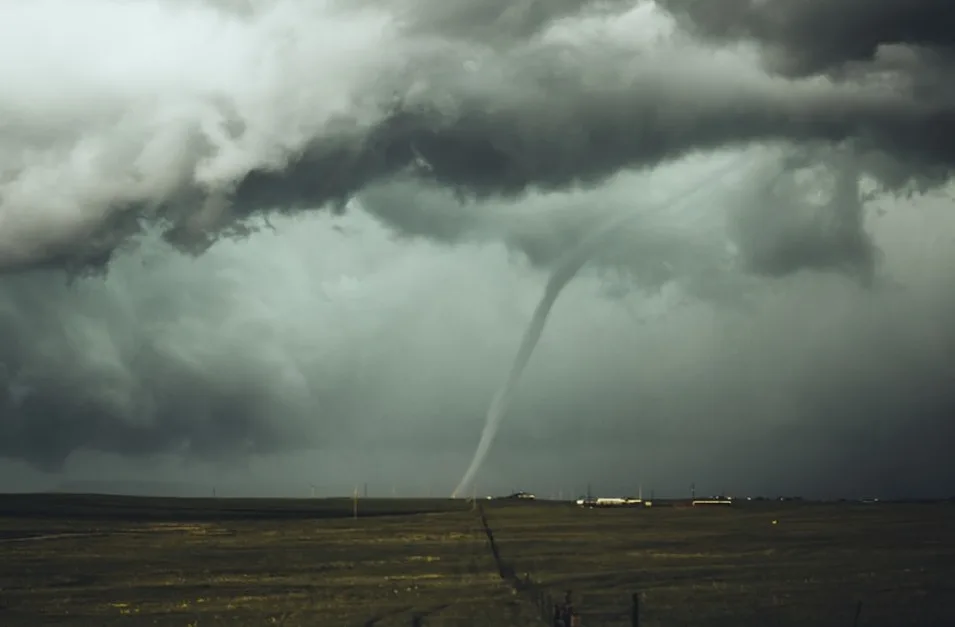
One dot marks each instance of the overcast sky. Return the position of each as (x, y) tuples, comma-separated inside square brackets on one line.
[(260, 246)]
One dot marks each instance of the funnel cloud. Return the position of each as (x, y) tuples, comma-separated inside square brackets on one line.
[(303, 238)]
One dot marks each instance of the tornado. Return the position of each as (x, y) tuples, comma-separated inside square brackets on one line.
[(566, 269)]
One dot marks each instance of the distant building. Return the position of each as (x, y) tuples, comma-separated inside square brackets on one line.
[(520, 496), (713, 501), (611, 501)]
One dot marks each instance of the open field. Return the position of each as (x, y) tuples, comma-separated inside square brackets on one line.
[(72, 507), (90, 560), (733, 566), (112, 560)]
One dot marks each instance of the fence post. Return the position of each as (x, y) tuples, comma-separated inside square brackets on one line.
[(635, 610), (416, 620), (855, 621)]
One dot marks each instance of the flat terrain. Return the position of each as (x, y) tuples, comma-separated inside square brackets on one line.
[(93, 560), (733, 566)]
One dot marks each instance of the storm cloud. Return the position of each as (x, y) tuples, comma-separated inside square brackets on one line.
[(211, 116), (814, 37), (374, 192)]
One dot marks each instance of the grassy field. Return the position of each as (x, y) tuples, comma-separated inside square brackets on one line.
[(734, 566), (90, 560)]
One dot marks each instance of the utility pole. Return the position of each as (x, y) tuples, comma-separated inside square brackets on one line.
[(355, 503), (693, 491), (366, 490)]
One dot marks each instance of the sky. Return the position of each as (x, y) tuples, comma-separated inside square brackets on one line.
[(274, 247)]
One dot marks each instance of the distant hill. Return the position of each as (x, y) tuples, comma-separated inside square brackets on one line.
[(134, 488)]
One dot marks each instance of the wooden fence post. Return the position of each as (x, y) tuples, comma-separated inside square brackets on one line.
[(416, 620), (635, 610), (855, 621)]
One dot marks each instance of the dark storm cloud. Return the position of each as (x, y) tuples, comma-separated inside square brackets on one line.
[(550, 111), (587, 134), (799, 209), (494, 22), (127, 363), (780, 231), (822, 388), (68, 384), (807, 37), (594, 128), (447, 121)]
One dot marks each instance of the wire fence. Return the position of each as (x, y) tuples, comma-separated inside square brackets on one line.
[(550, 611), (933, 610)]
